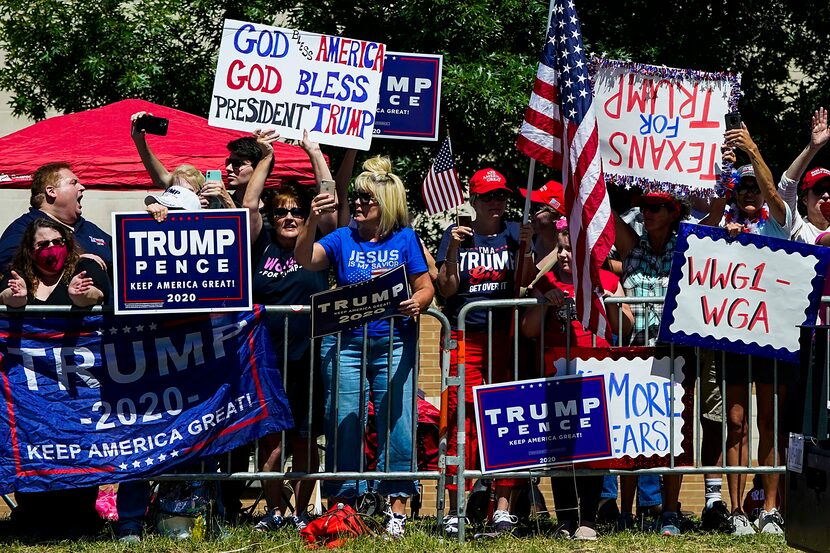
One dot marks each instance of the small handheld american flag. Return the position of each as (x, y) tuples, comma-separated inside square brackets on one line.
[(442, 189)]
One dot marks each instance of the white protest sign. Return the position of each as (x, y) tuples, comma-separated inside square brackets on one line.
[(746, 295), (290, 80), (640, 404), (661, 125)]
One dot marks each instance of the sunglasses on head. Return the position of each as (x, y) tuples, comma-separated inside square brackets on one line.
[(364, 197), (498, 195), (654, 208), (296, 212), (237, 163), (46, 243)]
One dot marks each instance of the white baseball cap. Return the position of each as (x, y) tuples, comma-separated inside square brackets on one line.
[(175, 197)]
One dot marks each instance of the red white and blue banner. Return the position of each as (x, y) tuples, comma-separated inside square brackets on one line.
[(92, 400), (410, 97), (746, 294), (542, 422), (193, 262)]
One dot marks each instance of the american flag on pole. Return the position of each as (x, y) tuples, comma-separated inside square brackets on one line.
[(560, 130), (442, 189)]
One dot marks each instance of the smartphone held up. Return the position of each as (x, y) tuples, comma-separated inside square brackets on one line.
[(152, 125), (733, 120), (215, 176)]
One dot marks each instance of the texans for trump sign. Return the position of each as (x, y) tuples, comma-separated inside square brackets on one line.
[(542, 422), (101, 399), (662, 127), (745, 295), (410, 97), (291, 81), (192, 262)]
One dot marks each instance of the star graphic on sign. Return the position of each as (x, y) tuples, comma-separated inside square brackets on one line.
[(152, 326), (139, 328), (123, 466), (149, 461), (136, 464), (162, 458), (113, 330), (126, 329), (174, 453)]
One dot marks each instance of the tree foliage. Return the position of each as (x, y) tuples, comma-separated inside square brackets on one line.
[(71, 55)]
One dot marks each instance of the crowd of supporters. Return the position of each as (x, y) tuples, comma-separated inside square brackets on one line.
[(301, 236)]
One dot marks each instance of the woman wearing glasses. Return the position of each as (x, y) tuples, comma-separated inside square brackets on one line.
[(279, 280), (479, 263), (380, 241), (48, 270)]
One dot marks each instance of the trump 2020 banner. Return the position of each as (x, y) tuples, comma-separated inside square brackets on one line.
[(354, 305), (542, 422), (291, 81), (101, 399), (660, 127), (745, 295), (410, 97), (194, 261)]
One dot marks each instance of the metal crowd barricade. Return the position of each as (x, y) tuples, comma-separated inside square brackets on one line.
[(232, 473), (515, 305)]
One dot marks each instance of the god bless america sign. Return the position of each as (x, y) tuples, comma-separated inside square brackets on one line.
[(193, 261)]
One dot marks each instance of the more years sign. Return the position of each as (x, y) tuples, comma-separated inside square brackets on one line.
[(662, 126), (291, 81), (192, 262), (746, 295)]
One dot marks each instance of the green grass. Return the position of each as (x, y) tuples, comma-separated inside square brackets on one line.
[(418, 540)]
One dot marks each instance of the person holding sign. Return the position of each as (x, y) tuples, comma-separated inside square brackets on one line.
[(382, 240), (646, 262), (580, 495), (478, 262), (753, 205), (48, 269), (279, 280)]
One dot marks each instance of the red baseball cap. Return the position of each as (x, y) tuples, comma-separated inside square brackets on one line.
[(487, 180), (658, 197), (551, 193), (815, 176)]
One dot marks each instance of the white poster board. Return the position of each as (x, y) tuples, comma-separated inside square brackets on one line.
[(640, 405), (290, 80), (662, 127)]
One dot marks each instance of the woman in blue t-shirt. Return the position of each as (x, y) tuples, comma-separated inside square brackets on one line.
[(381, 240)]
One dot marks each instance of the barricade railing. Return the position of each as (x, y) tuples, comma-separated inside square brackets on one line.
[(458, 382), (231, 471)]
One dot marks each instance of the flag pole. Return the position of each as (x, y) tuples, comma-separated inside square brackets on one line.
[(523, 246)]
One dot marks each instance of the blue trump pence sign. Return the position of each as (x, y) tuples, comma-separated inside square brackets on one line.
[(194, 261), (542, 422), (410, 97)]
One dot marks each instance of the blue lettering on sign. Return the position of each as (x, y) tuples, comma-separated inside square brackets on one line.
[(659, 124), (270, 44)]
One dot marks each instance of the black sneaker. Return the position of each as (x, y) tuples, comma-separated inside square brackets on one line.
[(716, 518)]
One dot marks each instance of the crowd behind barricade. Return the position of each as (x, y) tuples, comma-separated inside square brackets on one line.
[(300, 236)]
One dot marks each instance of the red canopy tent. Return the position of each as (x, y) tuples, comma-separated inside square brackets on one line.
[(97, 144)]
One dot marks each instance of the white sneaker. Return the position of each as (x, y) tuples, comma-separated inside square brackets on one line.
[(740, 524), (395, 523), (585, 533), (450, 524), (504, 522), (771, 522)]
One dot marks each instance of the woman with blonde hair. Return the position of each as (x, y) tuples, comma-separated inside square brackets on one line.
[(380, 240)]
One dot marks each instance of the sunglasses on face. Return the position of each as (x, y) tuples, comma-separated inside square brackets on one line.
[(237, 163), (820, 190), (653, 208), (296, 212), (544, 208), (46, 243), (745, 189), (364, 197), (499, 196)]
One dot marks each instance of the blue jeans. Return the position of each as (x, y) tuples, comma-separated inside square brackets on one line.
[(648, 490), (345, 390)]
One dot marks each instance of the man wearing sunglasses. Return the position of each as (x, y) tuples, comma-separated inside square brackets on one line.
[(243, 157), (56, 194)]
